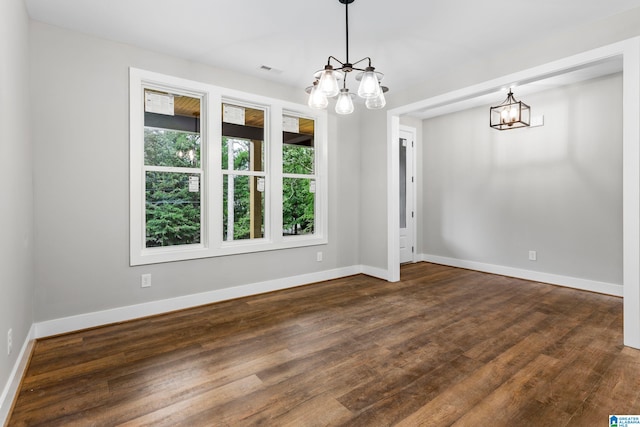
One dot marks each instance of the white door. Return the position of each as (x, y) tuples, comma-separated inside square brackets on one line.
[(407, 182)]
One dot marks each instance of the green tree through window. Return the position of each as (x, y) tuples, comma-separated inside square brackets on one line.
[(298, 202), (172, 204)]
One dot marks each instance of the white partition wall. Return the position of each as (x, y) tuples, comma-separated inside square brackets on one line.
[(631, 191)]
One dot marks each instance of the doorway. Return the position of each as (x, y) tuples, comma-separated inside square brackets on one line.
[(406, 178)]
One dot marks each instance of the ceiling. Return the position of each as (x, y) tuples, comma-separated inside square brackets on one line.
[(408, 40), (590, 71)]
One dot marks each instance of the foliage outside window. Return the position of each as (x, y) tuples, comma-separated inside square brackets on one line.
[(172, 176), (203, 178), (244, 177), (299, 181)]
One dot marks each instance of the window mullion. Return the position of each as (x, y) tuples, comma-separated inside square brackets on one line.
[(214, 168), (299, 175), (148, 168), (276, 173)]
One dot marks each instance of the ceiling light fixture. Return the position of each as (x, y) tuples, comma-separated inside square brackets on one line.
[(511, 114), (327, 81)]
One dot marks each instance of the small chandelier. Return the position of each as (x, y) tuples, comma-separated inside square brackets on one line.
[(511, 114), (326, 82)]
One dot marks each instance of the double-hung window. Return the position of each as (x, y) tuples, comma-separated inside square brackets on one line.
[(244, 175), (298, 176), (218, 172)]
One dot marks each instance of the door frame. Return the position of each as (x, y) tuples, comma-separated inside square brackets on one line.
[(629, 50), (414, 193)]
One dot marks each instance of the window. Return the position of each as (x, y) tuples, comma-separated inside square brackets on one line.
[(172, 169), (298, 176), (244, 176), (219, 172)]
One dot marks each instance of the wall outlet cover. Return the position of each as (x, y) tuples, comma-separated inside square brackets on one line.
[(145, 281)]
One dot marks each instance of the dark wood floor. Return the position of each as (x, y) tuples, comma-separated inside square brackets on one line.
[(443, 346)]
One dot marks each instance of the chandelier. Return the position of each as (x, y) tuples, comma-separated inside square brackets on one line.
[(511, 114), (327, 81)]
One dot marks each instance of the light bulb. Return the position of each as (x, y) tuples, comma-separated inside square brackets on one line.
[(514, 114), (344, 105), (369, 85), (317, 99), (376, 103), (504, 115), (328, 82)]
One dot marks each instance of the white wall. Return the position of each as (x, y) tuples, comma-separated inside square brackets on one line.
[(373, 197), (16, 191), (80, 128), (492, 196)]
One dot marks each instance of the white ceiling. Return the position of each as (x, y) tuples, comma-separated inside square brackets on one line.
[(590, 71), (408, 40)]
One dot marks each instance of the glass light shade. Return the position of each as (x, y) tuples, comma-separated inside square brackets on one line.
[(317, 99), (344, 105), (369, 85), (328, 82), (376, 103)]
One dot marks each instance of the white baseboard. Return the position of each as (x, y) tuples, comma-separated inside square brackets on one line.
[(376, 272), (13, 383), (121, 314), (536, 276)]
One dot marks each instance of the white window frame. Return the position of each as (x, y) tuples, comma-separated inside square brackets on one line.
[(212, 243), (266, 166), (314, 177)]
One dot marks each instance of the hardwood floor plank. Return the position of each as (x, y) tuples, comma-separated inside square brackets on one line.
[(490, 347), (454, 402), (392, 409), (511, 396), (319, 411), (618, 392), (196, 373), (71, 371), (173, 414), (40, 406)]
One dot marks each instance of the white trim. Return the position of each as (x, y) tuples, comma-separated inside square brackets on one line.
[(376, 272), (393, 199), (535, 276), (520, 78), (413, 229), (631, 191), (121, 314), (630, 51), (11, 388)]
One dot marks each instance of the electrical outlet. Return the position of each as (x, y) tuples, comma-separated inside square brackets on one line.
[(145, 281), (319, 256), (533, 255), (9, 341)]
